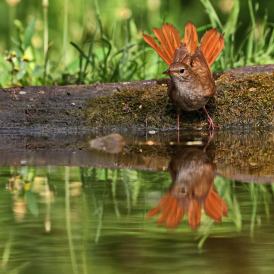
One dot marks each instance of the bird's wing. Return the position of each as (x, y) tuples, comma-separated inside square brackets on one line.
[(200, 68), (212, 43), (169, 39)]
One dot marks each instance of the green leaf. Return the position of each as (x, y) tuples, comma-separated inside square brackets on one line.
[(29, 33), (231, 24), (212, 14)]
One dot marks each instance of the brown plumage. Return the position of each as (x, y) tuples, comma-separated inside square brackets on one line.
[(192, 83)]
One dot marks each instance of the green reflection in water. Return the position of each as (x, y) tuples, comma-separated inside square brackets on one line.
[(85, 220)]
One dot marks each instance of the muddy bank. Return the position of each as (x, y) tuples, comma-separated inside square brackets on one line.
[(244, 100)]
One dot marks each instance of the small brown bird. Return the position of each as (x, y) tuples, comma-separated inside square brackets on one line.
[(192, 83), (192, 172)]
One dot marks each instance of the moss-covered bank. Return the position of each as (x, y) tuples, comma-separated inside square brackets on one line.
[(244, 100)]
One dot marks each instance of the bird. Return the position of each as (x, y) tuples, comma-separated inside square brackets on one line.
[(192, 173), (192, 83)]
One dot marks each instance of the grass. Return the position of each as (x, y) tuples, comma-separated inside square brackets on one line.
[(257, 46), (118, 53)]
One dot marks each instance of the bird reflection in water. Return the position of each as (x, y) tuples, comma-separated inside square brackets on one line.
[(192, 190)]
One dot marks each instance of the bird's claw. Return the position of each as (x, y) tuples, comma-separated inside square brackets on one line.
[(211, 124)]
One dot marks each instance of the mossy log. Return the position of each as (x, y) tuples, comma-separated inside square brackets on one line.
[(244, 99)]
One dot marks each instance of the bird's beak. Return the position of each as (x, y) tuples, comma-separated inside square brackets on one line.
[(167, 72)]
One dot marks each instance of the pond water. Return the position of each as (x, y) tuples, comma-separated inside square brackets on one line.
[(201, 204)]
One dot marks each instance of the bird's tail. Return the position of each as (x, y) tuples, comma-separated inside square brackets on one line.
[(212, 42), (171, 212), (215, 206), (169, 39), (191, 38)]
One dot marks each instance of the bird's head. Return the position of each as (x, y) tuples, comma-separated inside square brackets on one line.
[(179, 71)]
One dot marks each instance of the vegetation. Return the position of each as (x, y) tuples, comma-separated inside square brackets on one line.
[(121, 193), (87, 211), (101, 50)]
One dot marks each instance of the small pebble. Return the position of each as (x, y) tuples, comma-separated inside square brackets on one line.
[(150, 143), (194, 143), (23, 162), (113, 143), (253, 164)]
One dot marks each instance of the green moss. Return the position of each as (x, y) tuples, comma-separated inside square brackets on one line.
[(246, 101), (127, 108), (240, 101)]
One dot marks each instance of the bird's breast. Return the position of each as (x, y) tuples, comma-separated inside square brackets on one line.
[(187, 96)]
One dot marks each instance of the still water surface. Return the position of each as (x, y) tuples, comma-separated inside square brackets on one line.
[(185, 219)]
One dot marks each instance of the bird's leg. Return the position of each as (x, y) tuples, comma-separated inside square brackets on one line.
[(146, 127), (178, 121), (211, 124), (178, 126), (209, 140)]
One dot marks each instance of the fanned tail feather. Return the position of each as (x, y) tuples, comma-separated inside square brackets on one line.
[(149, 40), (215, 206), (169, 39), (212, 43), (171, 213), (191, 38), (194, 213)]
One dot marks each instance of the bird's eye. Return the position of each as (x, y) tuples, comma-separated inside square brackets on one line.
[(181, 71)]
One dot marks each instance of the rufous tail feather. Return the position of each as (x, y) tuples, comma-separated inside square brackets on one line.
[(169, 39), (191, 37), (212, 43), (171, 213)]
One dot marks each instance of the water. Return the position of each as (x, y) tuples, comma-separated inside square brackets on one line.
[(67, 209)]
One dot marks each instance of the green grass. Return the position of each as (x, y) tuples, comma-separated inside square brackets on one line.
[(256, 45), (117, 52)]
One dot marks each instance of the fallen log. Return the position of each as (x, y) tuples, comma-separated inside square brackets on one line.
[(244, 99)]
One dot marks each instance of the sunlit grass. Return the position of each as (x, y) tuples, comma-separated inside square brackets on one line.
[(117, 52), (45, 4), (256, 45)]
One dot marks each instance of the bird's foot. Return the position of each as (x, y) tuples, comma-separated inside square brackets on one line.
[(211, 124)]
